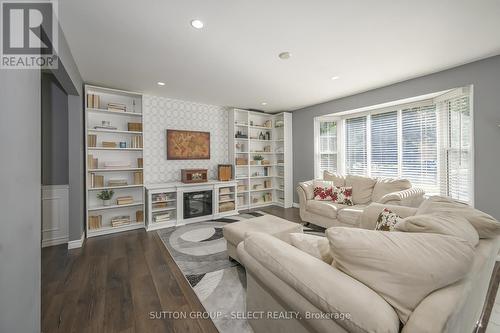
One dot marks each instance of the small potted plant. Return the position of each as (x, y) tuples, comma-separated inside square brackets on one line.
[(106, 196), (258, 159)]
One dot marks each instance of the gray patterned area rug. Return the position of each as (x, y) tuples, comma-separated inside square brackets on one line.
[(200, 251)]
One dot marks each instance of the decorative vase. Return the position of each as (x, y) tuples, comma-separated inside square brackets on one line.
[(257, 162), (106, 202)]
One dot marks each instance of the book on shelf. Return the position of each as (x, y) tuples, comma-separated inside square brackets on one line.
[(138, 178), (225, 197), (226, 206), (117, 221), (95, 222), (136, 141), (134, 127), (224, 190), (106, 127), (162, 217), (140, 162), (158, 205), (92, 163), (109, 144), (117, 182), (92, 140), (139, 216), (93, 101), (117, 107), (125, 200), (96, 180)]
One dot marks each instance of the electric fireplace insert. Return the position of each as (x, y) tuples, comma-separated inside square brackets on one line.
[(197, 204)]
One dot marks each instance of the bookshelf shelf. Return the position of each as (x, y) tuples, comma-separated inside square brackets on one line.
[(109, 229), (113, 187), (120, 113), (268, 135), (115, 206), (114, 169), (106, 148), (103, 125), (99, 130), (166, 209)]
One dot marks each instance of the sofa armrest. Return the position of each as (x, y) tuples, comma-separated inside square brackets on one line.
[(325, 287), (371, 213), (411, 197), (308, 189)]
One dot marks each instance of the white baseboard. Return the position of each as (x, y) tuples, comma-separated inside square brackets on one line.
[(75, 244), (54, 241), (296, 205)]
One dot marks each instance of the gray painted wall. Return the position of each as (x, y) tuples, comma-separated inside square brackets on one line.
[(76, 167), (70, 79), (483, 74), (20, 201), (54, 132)]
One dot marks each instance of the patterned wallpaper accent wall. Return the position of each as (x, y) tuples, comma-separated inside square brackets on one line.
[(160, 114)]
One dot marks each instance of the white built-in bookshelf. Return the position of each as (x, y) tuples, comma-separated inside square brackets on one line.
[(253, 134), (112, 117)]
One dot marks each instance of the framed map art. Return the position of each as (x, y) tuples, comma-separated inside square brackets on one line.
[(188, 145)]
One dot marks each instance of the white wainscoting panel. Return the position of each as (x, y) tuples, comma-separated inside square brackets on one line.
[(55, 215), (160, 114)]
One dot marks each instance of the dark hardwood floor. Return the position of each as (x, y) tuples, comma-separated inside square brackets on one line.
[(112, 284), (116, 282)]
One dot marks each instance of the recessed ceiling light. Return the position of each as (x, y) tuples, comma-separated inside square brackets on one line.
[(197, 24), (335, 78), (284, 55), (263, 103), (161, 83)]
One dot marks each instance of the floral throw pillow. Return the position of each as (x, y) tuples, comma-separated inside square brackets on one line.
[(387, 220), (342, 195), (323, 190)]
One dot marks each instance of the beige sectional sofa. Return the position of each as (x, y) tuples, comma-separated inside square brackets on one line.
[(365, 190), (281, 277)]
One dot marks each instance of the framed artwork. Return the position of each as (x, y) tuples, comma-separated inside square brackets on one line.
[(188, 145)]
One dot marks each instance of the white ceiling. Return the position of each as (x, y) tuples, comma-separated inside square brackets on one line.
[(233, 60)]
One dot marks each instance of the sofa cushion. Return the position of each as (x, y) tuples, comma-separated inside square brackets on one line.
[(387, 220), (401, 267), (440, 223), (280, 228), (317, 246), (485, 225), (324, 286), (362, 188), (385, 186), (323, 208), (351, 214), (338, 180), (342, 195), (323, 190)]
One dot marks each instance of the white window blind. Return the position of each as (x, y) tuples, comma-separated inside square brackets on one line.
[(456, 142), (327, 146), (356, 146), (384, 144), (419, 147)]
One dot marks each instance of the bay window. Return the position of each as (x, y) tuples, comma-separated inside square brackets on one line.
[(428, 142), (326, 146)]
